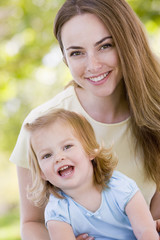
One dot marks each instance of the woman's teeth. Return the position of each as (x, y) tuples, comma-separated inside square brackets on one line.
[(99, 78)]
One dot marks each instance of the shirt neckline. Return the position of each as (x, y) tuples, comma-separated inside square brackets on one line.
[(126, 121), (85, 210)]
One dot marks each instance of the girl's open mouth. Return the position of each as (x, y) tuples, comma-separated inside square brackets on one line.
[(65, 170)]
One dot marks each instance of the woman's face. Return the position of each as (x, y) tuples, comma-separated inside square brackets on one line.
[(91, 55)]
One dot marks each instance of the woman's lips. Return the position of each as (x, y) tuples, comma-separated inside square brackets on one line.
[(99, 79)]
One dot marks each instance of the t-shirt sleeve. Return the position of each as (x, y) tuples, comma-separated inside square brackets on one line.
[(57, 209), (122, 188), (19, 155)]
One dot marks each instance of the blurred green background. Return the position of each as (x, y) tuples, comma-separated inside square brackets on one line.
[(31, 72)]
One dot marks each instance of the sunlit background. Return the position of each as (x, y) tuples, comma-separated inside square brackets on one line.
[(31, 72)]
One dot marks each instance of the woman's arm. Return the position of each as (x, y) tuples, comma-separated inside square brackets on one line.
[(32, 218), (155, 206), (155, 209), (140, 218)]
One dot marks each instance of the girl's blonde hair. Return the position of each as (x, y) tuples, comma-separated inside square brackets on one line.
[(140, 69), (104, 161)]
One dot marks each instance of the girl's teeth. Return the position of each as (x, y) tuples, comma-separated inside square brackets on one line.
[(96, 79), (63, 168)]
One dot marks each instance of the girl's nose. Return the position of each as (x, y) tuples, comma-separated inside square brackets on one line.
[(93, 64), (59, 157)]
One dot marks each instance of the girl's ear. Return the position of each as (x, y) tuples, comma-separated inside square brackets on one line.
[(91, 157), (43, 176)]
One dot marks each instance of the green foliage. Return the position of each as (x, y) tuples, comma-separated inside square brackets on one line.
[(9, 225), (146, 10), (26, 40)]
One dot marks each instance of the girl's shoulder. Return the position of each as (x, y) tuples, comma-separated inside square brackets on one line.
[(57, 209), (121, 182), (121, 188), (119, 177)]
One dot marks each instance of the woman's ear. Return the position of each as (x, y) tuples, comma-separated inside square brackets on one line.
[(65, 61)]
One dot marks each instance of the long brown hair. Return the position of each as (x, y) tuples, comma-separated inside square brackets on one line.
[(140, 68), (103, 161)]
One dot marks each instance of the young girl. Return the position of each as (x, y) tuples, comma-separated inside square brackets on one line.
[(86, 195)]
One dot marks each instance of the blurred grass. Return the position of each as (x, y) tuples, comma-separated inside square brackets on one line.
[(9, 200), (9, 225)]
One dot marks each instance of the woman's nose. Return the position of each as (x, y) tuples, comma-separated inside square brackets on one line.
[(93, 64)]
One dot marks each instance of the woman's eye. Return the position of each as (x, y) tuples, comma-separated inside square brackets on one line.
[(107, 45), (75, 53), (67, 147), (48, 155)]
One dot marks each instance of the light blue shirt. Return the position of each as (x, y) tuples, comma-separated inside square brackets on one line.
[(109, 222)]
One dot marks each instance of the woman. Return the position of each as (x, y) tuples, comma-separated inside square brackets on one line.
[(116, 87)]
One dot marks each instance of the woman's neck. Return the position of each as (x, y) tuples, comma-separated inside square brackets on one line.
[(110, 109)]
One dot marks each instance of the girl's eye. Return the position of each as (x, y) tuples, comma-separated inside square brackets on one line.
[(75, 53), (67, 147), (48, 155), (107, 45)]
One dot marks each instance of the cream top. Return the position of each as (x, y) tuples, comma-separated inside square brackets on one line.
[(118, 134)]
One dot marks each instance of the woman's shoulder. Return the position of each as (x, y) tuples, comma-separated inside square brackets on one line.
[(61, 100), (64, 99)]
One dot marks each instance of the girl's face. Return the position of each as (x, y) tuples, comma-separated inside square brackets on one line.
[(61, 157), (91, 55)]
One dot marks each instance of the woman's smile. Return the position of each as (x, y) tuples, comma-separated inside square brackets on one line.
[(99, 79)]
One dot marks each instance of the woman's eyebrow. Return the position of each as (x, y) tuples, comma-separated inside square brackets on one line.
[(74, 47), (102, 40), (96, 44)]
